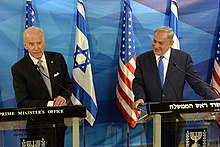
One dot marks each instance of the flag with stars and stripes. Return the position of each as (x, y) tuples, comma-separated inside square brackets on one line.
[(215, 81), (83, 87), (30, 17), (126, 68), (174, 23)]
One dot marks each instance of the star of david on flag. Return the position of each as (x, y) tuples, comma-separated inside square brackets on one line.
[(81, 58)]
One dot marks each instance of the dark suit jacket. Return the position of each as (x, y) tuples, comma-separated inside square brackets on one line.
[(146, 84), (30, 89)]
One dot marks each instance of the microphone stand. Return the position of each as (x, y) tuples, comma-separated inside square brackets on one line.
[(210, 86), (68, 101)]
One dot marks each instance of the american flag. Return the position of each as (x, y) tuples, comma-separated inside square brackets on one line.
[(174, 23), (215, 81), (30, 17), (83, 87), (126, 68)]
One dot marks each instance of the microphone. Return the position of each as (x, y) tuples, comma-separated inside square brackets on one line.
[(174, 64), (68, 101)]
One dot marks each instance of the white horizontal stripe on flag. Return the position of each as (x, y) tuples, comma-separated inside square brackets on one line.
[(126, 106), (85, 81), (174, 10), (81, 40), (125, 88), (125, 70)]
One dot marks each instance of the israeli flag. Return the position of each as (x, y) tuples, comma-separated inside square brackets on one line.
[(83, 87)]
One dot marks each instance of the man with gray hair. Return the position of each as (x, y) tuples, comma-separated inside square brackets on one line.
[(158, 78), (38, 79)]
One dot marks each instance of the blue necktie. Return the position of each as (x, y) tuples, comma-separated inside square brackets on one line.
[(161, 70)]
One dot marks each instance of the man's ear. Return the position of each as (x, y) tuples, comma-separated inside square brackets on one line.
[(25, 46), (171, 42)]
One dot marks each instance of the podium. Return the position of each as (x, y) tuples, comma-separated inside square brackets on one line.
[(13, 124), (195, 122)]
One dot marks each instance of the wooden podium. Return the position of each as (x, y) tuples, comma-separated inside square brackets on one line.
[(15, 119), (206, 111)]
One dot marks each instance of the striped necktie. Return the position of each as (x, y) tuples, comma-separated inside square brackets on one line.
[(45, 75)]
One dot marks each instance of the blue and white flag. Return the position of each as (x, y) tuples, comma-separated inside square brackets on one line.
[(30, 15), (30, 19), (83, 87), (174, 23)]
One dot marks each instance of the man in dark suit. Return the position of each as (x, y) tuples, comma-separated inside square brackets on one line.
[(147, 85), (31, 89)]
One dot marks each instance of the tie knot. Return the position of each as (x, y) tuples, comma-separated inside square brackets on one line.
[(39, 63), (161, 57)]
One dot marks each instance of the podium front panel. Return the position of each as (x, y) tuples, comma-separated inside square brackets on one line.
[(182, 124), (39, 127), (186, 130)]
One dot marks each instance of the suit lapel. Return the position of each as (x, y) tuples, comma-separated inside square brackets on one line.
[(35, 73), (170, 70), (154, 68)]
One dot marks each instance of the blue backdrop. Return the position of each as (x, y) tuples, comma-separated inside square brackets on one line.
[(198, 28)]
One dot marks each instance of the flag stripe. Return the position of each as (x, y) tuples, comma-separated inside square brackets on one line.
[(131, 121), (85, 81), (89, 116), (215, 73), (80, 25), (174, 10), (131, 65), (126, 103), (125, 79), (126, 71), (81, 40), (86, 98), (123, 94)]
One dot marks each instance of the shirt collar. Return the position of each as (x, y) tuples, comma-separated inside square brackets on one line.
[(36, 60), (166, 55)]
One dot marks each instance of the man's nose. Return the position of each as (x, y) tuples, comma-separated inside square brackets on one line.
[(35, 46)]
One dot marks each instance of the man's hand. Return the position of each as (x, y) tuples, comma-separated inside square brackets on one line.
[(137, 103), (59, 101)]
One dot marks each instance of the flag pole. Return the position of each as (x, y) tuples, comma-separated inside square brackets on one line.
[(84, 134), (128, 135)]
